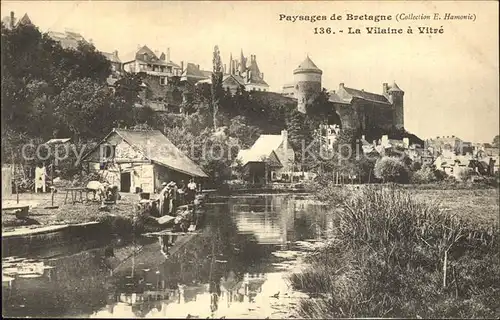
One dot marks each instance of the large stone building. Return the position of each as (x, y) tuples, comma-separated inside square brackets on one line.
[(151, 63), (68, 39), (240, 74), (245, 73), (160, 77), (357, 109)]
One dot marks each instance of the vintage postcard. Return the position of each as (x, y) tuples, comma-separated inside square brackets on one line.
[(250, 159)]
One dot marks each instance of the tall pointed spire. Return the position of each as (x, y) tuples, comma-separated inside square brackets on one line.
[(243, 62), (230, 63)]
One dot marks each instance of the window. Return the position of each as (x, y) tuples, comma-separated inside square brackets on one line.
[(163, 81), (108, 151)]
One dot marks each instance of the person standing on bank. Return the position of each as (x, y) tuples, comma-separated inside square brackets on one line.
[(191, 190), (172, 195), (182, 193), (163, 199)]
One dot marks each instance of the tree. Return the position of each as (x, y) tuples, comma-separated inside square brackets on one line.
[(245, 134), (217, 90), (496, 141), (424, 175), (86, 109), (36, 74), (391, 170)]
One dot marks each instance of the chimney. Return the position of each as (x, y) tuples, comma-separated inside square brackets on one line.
[(115, 53), (363, 137), (224, 70), (168, 54), (198, 66), (341, 85), (385, 88), (12, 19), (182, 66)]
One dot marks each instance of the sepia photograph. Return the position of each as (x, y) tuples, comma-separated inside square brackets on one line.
[(250, 159)]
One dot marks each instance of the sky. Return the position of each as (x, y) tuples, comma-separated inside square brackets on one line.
[(450, 80)]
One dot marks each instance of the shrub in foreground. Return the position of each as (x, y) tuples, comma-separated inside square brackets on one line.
[(424, 175), (390, 169), (394, 257)]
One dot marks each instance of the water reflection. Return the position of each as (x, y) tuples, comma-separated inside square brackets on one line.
[(233, 268)]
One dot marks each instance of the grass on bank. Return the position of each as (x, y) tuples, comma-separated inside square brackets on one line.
[(395, 256)]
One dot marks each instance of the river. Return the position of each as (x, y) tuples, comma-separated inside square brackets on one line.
[(236, 267)]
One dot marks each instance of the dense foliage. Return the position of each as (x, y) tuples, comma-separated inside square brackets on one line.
[(390, 169), (393, 256), (48, 91)]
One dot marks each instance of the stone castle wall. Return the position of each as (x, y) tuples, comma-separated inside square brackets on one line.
[(306, 92)]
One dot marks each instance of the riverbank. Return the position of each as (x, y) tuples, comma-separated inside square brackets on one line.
[(68, 213), (405, 253)]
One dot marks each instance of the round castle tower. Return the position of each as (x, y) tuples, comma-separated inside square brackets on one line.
[(307, 83), (396, 98)]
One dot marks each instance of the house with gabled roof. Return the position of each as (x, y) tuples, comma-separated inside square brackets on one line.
[(269, 159), (247, 73), (242, 73), (193, 74), (151, 63), (11, 22), (140, 160), (160, 76), (68, 39)]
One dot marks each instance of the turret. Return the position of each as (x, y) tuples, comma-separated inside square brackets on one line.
[(396, 98), (243, 63), (307, 83)]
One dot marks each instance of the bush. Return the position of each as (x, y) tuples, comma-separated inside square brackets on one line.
[(391, 169), (424, 175), (386, 259), (415, 166), (466, 174)]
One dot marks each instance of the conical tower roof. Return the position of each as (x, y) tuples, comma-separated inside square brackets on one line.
[(25, 20), (307, 66), (395, 88)]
